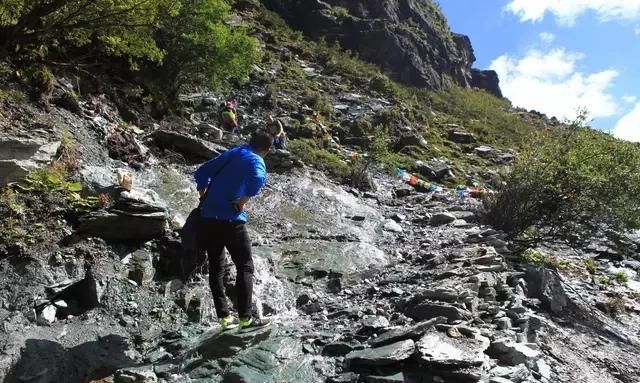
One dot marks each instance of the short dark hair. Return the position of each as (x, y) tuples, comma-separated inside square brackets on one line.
[(261, 141)]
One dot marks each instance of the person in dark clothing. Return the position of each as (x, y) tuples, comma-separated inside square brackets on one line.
[(240, 174)]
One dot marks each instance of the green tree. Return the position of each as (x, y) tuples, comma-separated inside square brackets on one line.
[(568, 183), (201, 49), (125, 27)]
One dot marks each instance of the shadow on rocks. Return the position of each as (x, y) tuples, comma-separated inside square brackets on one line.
[(44, 361)]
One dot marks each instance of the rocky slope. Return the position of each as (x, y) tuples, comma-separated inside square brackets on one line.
[(409, 39), (389, 285)]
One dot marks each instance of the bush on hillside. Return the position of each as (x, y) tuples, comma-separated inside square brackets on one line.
[(201, 50), (125, 27), (187, 39), (565, 185), (311, 154)]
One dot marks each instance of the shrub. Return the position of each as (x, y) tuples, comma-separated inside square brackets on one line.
[(320, 103), (321, 159), (201, 49), (179, 43), (125, 27), (615, 305), (539, 258), (566, 185), (359, 176), (621, 277), (591, 265)]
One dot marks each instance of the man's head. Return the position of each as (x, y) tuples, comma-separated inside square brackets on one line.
[(261, 142), (229, 104), (269, 119)]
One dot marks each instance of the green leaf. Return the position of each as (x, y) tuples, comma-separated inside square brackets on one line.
[(74, 187)]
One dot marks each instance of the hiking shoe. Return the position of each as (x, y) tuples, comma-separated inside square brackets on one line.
[(228, 323), (253, 323)]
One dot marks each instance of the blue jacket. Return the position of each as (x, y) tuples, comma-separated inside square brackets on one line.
[(240, 172)]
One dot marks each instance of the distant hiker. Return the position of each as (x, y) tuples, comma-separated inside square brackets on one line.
[(322, 134), (226, 183), (229, 117), (274, 127)]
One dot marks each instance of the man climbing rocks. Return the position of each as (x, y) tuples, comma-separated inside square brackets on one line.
[(229, 117), (274, 127), (240, 173)]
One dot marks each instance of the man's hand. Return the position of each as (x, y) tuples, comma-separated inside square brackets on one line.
[(202, 192), (240, 203)]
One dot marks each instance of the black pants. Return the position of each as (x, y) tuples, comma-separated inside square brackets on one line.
[(214, 236)]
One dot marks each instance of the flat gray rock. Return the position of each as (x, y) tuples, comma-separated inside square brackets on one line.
[(439, 349), (381, 356)]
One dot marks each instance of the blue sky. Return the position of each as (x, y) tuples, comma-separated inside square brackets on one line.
[(558, 55)]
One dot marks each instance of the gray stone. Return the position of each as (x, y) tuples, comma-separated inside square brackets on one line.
[(403, 191), (141, 268), (434, 170), (511, 353), (381, 356), (108, 225), (444, 294), (374, 323), (441, 219), (424, 311), (514, 374), (439, 349), (186, 144), (211, 131), (460, 137), (506, 157), (20, 156), (543, 368), (135, 215), (144, 374), (504, 323), (393, 226), (337, 349), (483, 151), (411, 332), (48, 315)]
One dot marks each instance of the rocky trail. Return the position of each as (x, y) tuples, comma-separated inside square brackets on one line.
[(385, 286)]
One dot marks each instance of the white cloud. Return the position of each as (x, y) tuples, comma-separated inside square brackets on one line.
[(629, 99), (637, 30), (549, 82), (566, 11), (547, 37), (628, 128)]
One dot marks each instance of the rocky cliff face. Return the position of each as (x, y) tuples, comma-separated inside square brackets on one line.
[(409, 39)]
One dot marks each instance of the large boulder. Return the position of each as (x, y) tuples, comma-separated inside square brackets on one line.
[(437, 171), (280, 160), (135, 215), (461, 137), (440, 349), (456, 359), (428, 310), (186, 144), (424, 54), (19, 157)]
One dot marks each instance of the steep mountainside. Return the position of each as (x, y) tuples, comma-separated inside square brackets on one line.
[(409, 39)]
